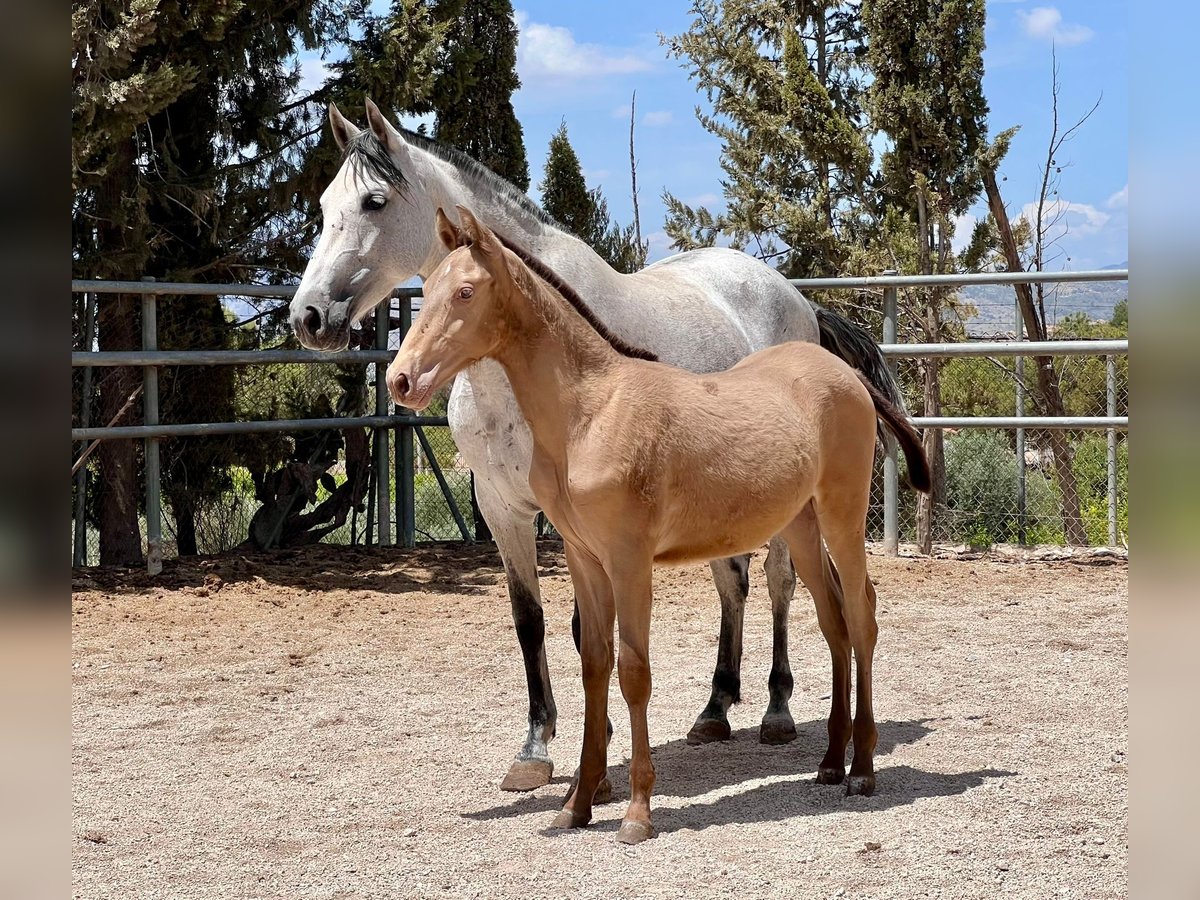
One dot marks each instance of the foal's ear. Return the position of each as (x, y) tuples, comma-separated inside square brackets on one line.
[(451, 236), (478, 233), (383, 129), (343, 128)]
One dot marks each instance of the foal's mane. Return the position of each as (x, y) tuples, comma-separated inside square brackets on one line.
[(566, 292)]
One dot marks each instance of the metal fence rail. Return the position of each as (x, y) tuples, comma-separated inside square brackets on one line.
[(408, 428)]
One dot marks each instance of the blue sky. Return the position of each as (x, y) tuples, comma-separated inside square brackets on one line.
[(581, 62)]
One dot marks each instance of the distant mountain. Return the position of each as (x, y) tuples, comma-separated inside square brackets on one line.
[(996, 303), (1121, 265)]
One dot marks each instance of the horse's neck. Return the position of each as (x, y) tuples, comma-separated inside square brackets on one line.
[(558, 365), (573, 260)]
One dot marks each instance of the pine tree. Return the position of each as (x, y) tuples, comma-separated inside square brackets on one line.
[(785, 83), (472, 95)]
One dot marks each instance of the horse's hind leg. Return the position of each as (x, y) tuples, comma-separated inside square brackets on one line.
[(812, 565), (777, 724), (732, 578), (842, 523)]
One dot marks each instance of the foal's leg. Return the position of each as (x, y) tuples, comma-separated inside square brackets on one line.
[(632, 589), (732, 578), (812, 564), (777, 725), (514, 537), (843, 524), (596, 611)]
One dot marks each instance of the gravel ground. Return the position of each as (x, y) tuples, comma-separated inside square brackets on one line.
[(334, 724)]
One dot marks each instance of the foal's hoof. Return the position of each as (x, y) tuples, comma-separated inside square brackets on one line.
[(570, 819), (527, 774), (860, 785), (777, 728), (634, 832), (705, 731), (830, 775)]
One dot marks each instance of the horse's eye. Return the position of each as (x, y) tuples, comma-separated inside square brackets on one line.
[(465, 292), (373, 202)]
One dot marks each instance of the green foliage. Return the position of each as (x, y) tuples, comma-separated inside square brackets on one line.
[(1091, 473), (786, 86), (472, 94)]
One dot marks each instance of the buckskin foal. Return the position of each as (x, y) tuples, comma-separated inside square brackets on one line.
[(638, 463)]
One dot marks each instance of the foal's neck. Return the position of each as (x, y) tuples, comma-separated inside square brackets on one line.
[(559, 366)]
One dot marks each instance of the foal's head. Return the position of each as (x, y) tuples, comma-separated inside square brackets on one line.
[(460, 322)]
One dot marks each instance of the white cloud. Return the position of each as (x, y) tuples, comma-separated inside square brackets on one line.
[(551, 52), (704, 200), (313, 74), (1062, 217), (1119, 200), (593, 176), (659, 117), (1045, 23), (621, 112)]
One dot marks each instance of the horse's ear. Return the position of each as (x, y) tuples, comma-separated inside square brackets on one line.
[(343, 128), (451, 236), (478, 233), (383, 129)]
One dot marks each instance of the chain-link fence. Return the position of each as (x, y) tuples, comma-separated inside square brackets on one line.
[(277, 446)]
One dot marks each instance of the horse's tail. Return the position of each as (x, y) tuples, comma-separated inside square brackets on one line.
[(854, 344), (910, 442)]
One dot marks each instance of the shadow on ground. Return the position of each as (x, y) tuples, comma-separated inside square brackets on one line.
[(685, 770)]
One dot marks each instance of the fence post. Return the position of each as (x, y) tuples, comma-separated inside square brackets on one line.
[(383, 503), (406, 527), (1020, 411), (150, 417), (85, 420), (1111, 389), (891, 477)]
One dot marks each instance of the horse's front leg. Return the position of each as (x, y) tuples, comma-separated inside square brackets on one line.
[(778, 727), (732, 579), (514, 538), (632, 589), (594, 597)]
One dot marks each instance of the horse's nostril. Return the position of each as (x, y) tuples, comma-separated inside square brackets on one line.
[(312, 320), (400, 385)]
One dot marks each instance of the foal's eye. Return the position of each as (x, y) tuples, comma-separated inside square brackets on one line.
[(373, 202), (465, 292)]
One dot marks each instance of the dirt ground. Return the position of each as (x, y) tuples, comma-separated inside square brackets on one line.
[(334, 724)]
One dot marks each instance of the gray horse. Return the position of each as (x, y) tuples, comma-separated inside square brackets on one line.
[(703, 310)]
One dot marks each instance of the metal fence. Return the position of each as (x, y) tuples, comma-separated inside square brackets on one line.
[(998, 488)]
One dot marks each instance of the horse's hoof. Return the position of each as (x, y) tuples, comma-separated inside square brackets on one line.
[(634, 832), (527, 775), (777, 729), (860, 785), (570, 819), (604, 792), (705, 731), (830, 775)]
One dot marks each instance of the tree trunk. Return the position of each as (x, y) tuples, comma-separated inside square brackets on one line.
[(184, 511), (117, 325), (932, 437), (1049, 391)]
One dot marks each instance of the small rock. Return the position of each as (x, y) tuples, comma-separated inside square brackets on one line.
[(409, 832), (1098, 841)]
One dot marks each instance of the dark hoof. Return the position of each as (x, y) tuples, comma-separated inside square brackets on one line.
[(634, 832), (527, 775), (860, 785), (830, 775), (604, 792), (705, 731), (777, 729), (570, 819)]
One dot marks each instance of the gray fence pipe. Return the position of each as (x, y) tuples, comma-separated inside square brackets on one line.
[(891, 463), (150, 417), (1110, 366), (1031, 422), (902, 281), (227, 357), (194, 429), (383, 501), (1006, 348), (188, 288), (406, 515)]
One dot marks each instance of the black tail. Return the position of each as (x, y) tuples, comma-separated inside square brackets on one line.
[(910, 442), (854, 344)]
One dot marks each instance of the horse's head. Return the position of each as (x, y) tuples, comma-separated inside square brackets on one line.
[(461, 321), (375, 233)]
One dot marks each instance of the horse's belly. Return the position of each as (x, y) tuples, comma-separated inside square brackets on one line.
[(689, 541)]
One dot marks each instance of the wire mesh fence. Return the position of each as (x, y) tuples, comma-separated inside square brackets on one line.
[(353, 484)]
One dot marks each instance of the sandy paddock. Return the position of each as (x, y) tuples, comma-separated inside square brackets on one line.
[(334, 724)]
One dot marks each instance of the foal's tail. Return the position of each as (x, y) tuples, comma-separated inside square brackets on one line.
[(906, 435)]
